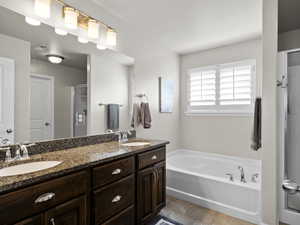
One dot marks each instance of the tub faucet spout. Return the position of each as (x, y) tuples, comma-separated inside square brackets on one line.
[(243, 179)]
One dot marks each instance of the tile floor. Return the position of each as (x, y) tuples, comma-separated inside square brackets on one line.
[(190, 214)]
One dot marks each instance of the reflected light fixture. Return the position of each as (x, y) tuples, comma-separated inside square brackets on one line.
[(55, 59), (83, 40), (61, 31), (42, 8), (93, 29), (111, 37), (101, 46), (32, 21), (71, 17)]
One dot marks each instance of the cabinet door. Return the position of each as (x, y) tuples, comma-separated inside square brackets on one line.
[(160, 189), (69, 213), (145, 195), (37, 220)]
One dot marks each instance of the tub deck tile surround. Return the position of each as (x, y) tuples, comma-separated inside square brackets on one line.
[(73, 159)]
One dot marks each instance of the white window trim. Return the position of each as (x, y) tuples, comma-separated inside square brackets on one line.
[(216, 110)]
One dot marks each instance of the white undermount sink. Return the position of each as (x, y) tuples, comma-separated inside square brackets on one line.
[(27, 168), (135, 144)]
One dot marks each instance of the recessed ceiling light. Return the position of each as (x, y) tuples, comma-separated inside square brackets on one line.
[(32, 21), (61, 32), (55, 59), (82, 40)]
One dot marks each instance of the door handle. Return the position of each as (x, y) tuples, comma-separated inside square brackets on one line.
[(47, 124), (290, 187), (52, 221), (9, 131)]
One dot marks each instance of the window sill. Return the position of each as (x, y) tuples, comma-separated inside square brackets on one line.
[(219, 114)]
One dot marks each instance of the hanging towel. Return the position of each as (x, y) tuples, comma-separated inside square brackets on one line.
[(256, 138), (113, 116), (145, 115), (136, 115)]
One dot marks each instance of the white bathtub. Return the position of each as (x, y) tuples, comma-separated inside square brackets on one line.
[(201, 178)]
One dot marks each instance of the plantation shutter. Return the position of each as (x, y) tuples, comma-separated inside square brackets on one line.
[(202, 88)]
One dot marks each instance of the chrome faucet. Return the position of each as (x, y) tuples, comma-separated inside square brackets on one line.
[(254, 177), (243, 179), (21, 152)]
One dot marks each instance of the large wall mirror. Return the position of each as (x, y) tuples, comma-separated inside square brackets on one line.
[(52, 86)]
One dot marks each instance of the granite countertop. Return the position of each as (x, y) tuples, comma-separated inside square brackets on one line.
[(72, 159)]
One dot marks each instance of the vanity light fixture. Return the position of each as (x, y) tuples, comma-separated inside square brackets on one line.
[(32, 21), (55, 59), (42, 8), (61, 31), (111, 37), (82, 40), (93, 29), (71, 17)]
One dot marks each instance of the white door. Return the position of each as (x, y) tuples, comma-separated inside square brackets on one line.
[(7, 100), (41, 104)]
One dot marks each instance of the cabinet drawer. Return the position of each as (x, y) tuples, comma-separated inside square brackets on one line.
[(126, 217), (113, 198), (151, 157), (38, 198), (111, 172)]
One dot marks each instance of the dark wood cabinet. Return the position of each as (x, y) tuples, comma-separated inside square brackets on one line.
[(126, 191), (36, 220), (70, 213), (151, 193)]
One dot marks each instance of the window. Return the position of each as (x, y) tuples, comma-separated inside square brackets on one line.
[(226, 88)]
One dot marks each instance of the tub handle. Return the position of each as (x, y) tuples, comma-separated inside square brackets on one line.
[(231, 178)]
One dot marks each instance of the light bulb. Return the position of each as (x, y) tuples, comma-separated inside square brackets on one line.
[(93, 29), (42, 8), (32, 21), (61, 32), (82, 40), (111, 37), (71, 17)]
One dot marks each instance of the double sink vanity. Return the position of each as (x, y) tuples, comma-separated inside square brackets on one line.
[(107, 183)]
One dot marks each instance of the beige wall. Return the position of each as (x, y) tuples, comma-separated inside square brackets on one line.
[(108, 83), (269, 122), (147, 70), (19, 51), (224, 134), (64, 76)]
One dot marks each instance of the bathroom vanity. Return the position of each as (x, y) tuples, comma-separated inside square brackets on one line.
[(102, 184)]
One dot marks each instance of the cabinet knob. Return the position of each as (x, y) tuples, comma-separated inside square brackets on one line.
[(116, 171), (44, 198), (52, 221), (154, 157), (117, 198)]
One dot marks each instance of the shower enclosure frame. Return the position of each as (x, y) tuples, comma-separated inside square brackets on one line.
[(286, 215)]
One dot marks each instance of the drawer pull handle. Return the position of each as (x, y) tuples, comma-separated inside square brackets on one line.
[(117, 198), (154, 157), (44, 198), (52, 221), (116, 171)]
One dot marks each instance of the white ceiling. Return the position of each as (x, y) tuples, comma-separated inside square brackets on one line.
[(190, 25)]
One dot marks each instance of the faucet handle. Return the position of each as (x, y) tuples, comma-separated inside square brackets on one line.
[(7, 153), (254, 177), (231, 178)]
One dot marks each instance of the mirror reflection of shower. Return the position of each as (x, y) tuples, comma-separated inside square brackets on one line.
[(78, 110)]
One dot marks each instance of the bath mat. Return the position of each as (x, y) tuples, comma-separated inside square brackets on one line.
[(161, 220)]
